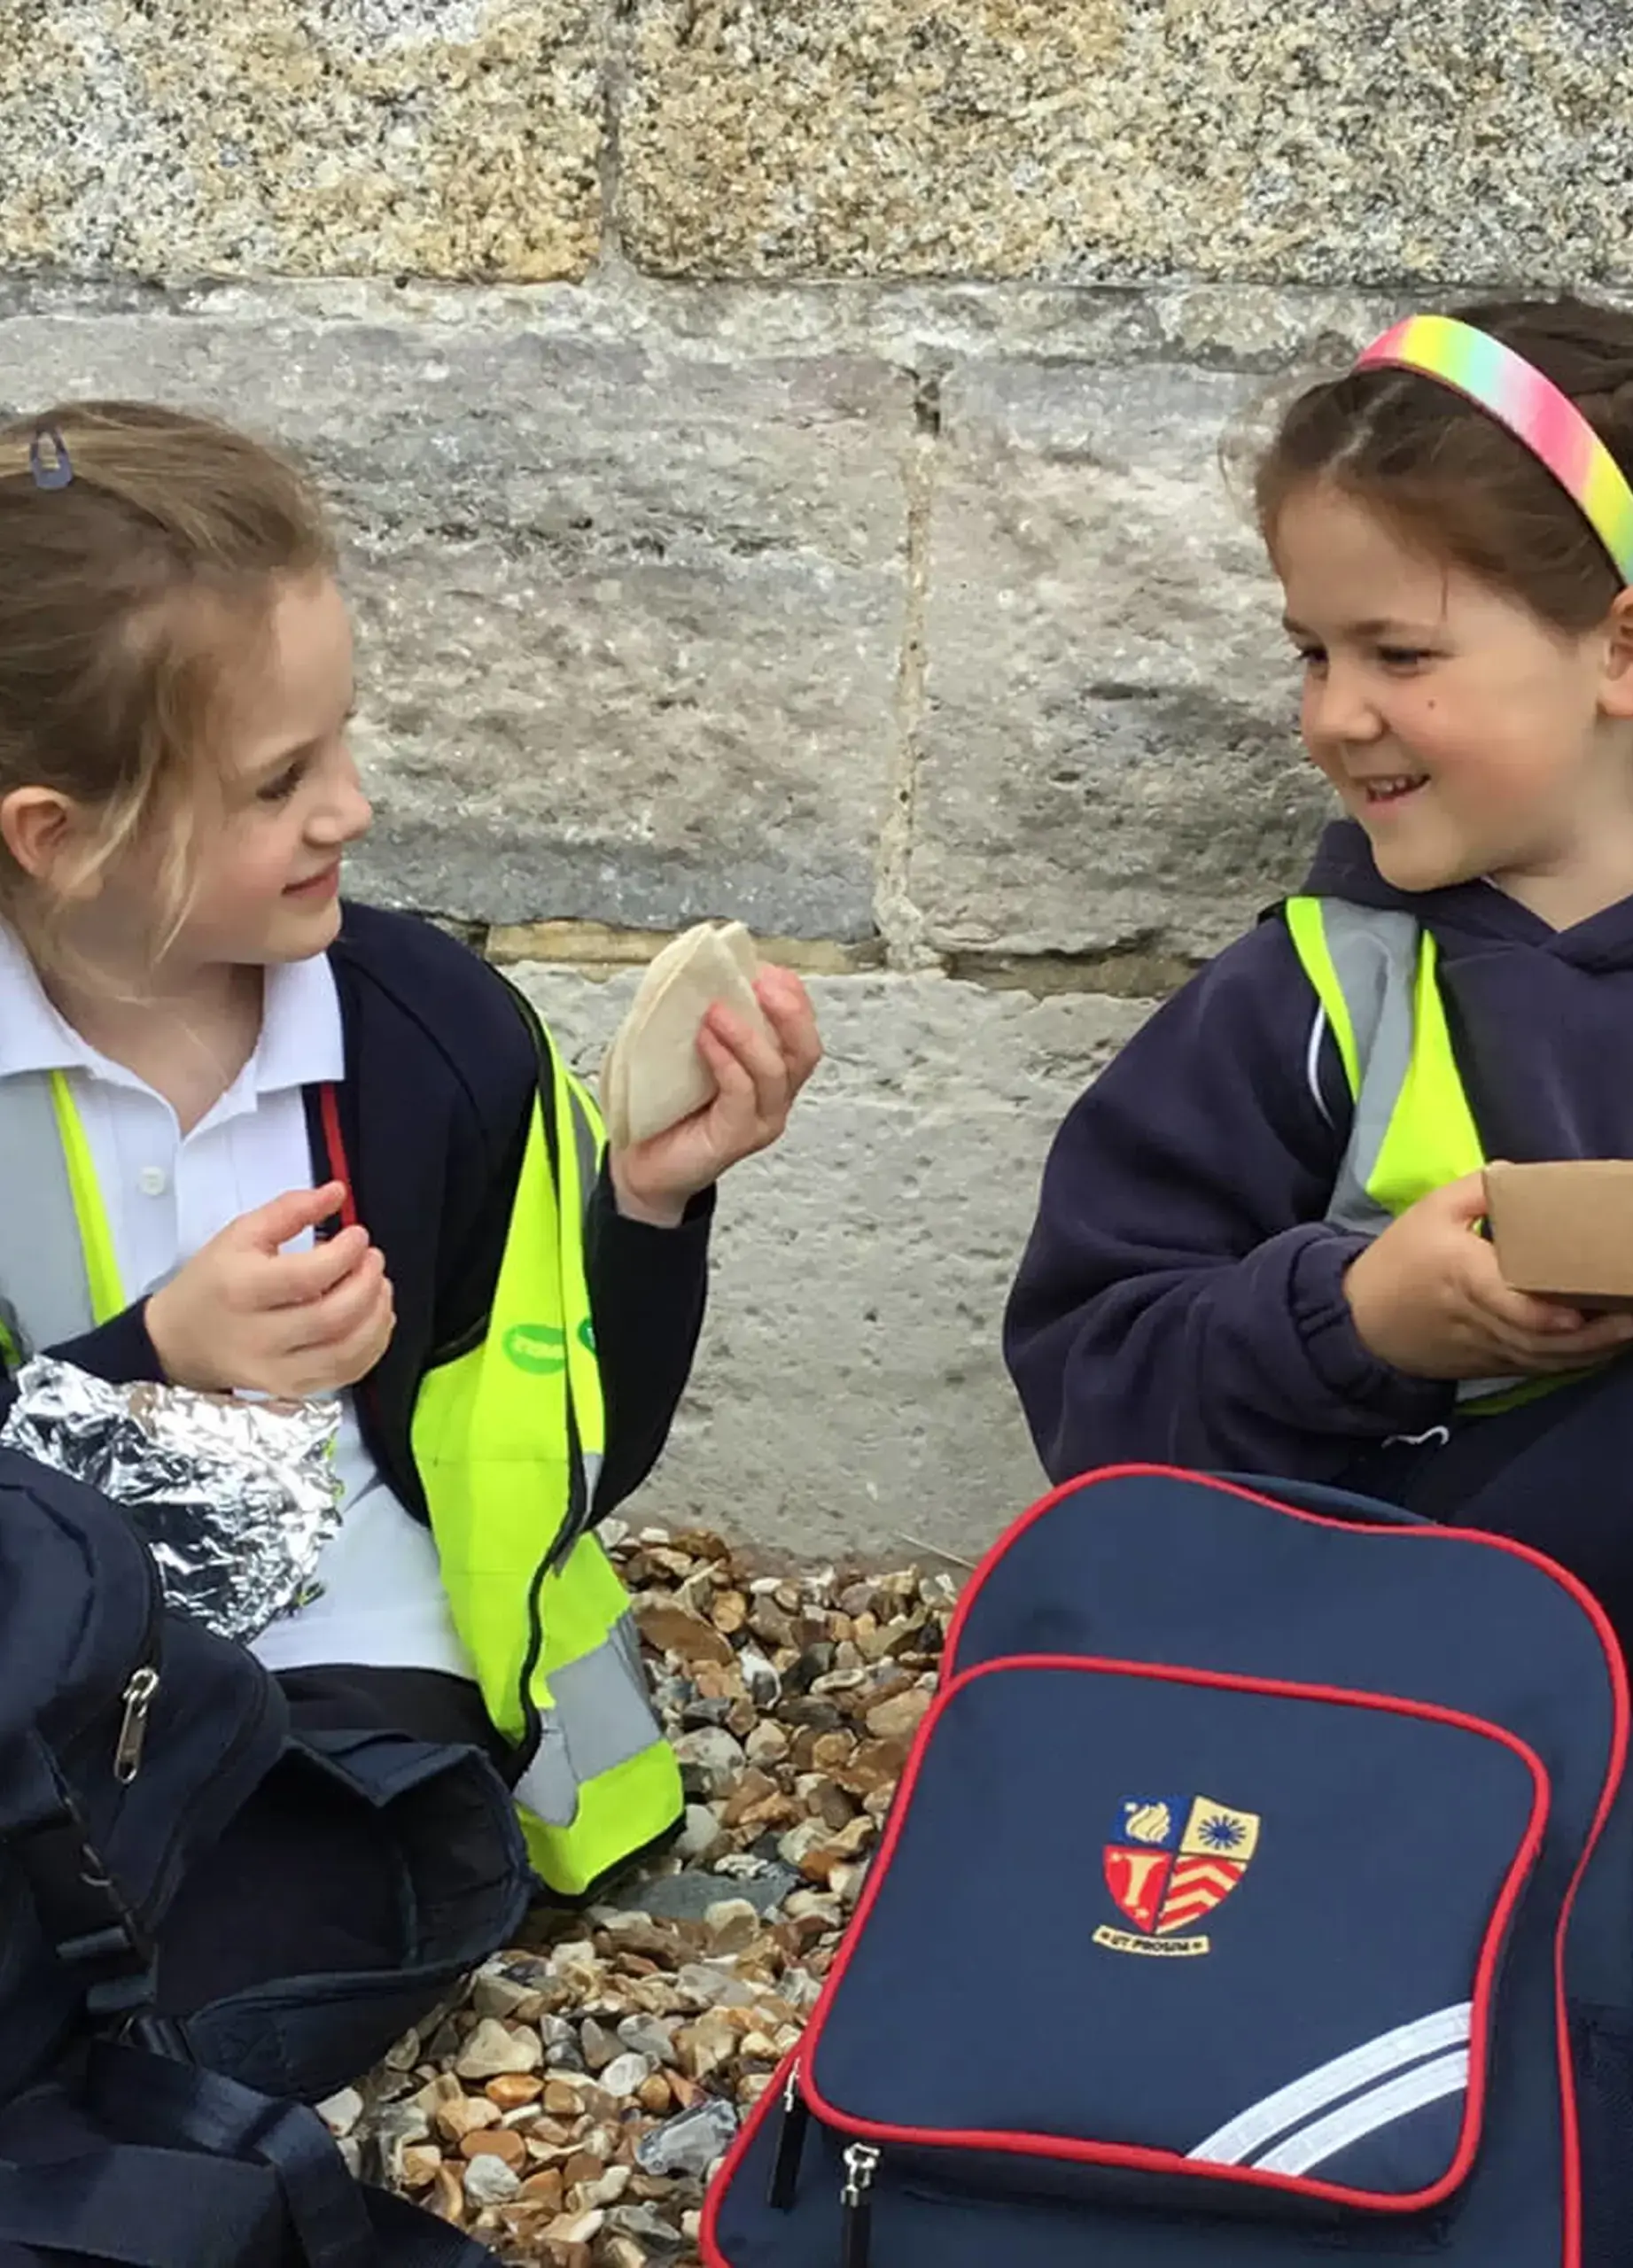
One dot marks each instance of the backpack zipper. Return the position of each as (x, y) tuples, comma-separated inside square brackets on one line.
[(138, 1699), (86, 1732), (791, 2143), (861, 2163)]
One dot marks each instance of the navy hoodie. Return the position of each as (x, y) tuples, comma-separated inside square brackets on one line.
[(1181, 1299)]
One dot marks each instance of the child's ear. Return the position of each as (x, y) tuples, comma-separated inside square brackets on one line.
[(42, 830), (1616, 690)]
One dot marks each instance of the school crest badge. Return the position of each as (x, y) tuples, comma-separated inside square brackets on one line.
[(1171, 1859)]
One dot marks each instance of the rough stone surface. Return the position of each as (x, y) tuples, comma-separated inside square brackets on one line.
[(849, 1391), (1109, 752), (297, 137), (1121, 140), (630, 621), (928, 325)]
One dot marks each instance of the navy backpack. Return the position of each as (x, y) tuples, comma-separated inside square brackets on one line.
[(130, 1738), (1259, 1893)]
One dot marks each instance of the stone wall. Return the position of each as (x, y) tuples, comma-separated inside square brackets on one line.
[(778, 448)]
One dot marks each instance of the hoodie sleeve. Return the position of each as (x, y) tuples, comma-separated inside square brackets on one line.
[(1181, 1299), (648, 1288), (118, 1351)]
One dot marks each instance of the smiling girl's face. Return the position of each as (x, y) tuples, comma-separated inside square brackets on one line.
[(1468, 736)]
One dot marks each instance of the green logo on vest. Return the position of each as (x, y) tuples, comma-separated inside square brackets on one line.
[(536, 1346)]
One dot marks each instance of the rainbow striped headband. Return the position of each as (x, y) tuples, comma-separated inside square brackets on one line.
[(1532, 407)]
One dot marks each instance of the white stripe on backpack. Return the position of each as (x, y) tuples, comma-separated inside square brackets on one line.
[(1245, 2134), (1395, 2099)]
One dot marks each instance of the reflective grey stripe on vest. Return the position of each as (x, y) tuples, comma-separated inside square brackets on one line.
[(602, 1718), (587, 1148), (42, 1282), (1375, 956)]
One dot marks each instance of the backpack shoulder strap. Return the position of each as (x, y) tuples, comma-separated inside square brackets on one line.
[(213, 2170), (148, 2208), (141, 2208)]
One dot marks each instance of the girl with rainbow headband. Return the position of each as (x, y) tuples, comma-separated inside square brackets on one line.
[(1258, 1247)]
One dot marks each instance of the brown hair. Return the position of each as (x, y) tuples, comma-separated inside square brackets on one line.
[(1455, 482), (118, 594)]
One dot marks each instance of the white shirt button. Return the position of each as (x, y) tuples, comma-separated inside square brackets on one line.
[(153, 1181)]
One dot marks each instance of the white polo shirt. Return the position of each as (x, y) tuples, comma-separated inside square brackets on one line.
[(165, 1195)]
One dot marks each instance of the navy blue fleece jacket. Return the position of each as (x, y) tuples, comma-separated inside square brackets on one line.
[(1181, 1298)]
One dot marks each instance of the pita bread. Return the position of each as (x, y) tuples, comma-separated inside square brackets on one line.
[(615, 1095), (654, 1076)]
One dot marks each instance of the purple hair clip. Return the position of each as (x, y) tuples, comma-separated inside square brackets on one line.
[(52, 471)]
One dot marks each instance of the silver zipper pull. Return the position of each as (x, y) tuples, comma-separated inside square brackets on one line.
[(790, 2086), (856, 2207), (860, 2162), (138, 1699)]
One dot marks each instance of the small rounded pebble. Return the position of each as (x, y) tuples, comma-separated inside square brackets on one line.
[(625, 2074), (490, 2181)]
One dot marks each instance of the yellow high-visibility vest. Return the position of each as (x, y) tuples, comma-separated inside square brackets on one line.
[(1373, 971), (507, 1434)]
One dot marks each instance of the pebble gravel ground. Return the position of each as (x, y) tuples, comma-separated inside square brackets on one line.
[(569, 2106)]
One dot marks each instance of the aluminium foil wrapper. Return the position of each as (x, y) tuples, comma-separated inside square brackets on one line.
[(235, 1496)]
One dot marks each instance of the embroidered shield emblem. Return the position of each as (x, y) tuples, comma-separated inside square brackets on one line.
[(1171, 1859)]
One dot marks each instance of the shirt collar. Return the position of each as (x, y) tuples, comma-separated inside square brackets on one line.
[(33, 1036), (301, 1041)]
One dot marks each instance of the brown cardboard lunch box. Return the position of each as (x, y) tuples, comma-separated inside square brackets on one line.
[(1564, 1231)]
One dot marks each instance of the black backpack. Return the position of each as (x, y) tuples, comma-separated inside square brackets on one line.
[(130, 1738)]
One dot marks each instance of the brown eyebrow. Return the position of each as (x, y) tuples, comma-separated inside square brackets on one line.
[(1381, 627)]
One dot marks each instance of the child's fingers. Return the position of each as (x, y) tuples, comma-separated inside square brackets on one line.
[(1537, 1327), (293, 1279), (278, 1222), (339, 1363), (352, 1357), (1595, 1336), (754, 1087), (357, 1354), (732, 1115), (789, 1012), (346, 1308), (1528, 1317), (1544, 1334), (1520, 1313), (1462, 1202), (763, 1074), (781, 993), (1547, 1352)]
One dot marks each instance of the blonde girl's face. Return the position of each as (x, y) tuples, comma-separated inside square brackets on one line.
[(1468, 736), (269, 838)]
